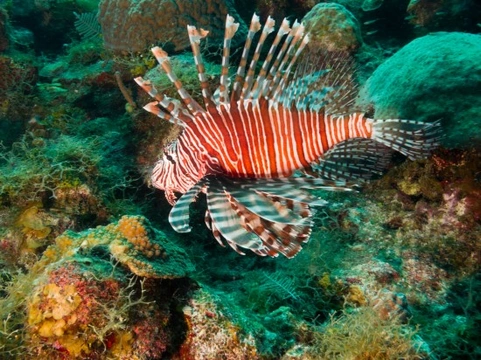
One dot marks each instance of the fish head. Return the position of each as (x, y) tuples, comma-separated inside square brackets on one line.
[(176, 173)]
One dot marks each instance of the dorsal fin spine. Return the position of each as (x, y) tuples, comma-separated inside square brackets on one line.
[(266, 30), (154, 109), (162, 99), (254, 27), (230, 30), (172, 107), (261, 83), (278, 68), (164, 61), (282, 76), (194, 37)]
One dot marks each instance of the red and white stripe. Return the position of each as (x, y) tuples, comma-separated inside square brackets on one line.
[(266, 140), (241, 148)]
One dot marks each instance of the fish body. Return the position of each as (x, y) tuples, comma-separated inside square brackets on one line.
[(278, 119), (283, 142)]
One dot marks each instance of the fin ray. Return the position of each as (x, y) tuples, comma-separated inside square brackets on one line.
[(414, 139), (179, 214)]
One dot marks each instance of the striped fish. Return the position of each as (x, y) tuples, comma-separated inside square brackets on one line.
[(279, 118)]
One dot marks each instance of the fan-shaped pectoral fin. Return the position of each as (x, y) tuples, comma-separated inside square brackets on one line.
[(179, 215)]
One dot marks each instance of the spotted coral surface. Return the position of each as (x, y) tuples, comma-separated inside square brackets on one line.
[(133, 26)]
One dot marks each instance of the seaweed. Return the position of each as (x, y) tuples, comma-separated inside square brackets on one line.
[(87, 25)]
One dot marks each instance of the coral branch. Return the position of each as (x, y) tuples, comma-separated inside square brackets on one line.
[(125, 92)]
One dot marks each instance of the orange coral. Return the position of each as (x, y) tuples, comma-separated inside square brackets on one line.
[(134, 230)]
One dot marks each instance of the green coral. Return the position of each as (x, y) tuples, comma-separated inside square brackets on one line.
[(185, 69), (35, 167)]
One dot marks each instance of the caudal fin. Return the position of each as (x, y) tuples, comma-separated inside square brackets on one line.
[(412, 138)]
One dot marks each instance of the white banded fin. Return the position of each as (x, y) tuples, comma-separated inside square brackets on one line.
[(356, 158), (179, 215), (414, 139)]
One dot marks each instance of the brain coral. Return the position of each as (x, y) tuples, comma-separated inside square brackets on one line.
[(332, 27), (437, 76), (135, 25)]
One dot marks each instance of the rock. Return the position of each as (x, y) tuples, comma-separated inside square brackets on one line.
[(78, 306), (135, 25), (444, 15), (437, 76), (391, 305), (22, 36), (23, 8), (54, 69), (332, 27)]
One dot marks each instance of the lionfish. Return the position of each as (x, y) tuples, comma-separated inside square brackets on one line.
[(259, 146)]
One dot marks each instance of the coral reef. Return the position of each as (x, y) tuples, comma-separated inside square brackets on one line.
[(132, 242), (362, 334), (134, 26), (89, 268), (3, 30), (435, 15), (78, 314), (211, 335), (45, 25), (332, 27), (16, 88), (431, 79), (69, 313), (80, 304), (278, 10)]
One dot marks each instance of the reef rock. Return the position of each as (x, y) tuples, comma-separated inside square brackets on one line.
[(135, 25), (437, 76), (444, 15), (332, 27)]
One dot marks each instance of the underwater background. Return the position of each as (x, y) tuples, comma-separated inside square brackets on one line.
[(90, 267)]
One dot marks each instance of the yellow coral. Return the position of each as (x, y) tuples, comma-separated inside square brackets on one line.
[(123, 345), (325, 281), (410, 187), (356, 296), (33, 227), (76, 346), (57, 304)]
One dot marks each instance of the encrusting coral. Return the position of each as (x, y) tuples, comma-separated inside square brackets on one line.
[(210, 335), (333, 28), (132, 242), (76, 315), (135, 231), (81, 299)]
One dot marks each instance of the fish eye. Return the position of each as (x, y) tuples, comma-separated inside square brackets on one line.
[(170, 158)]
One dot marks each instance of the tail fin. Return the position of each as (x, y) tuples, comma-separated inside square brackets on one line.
[(415, 139)]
